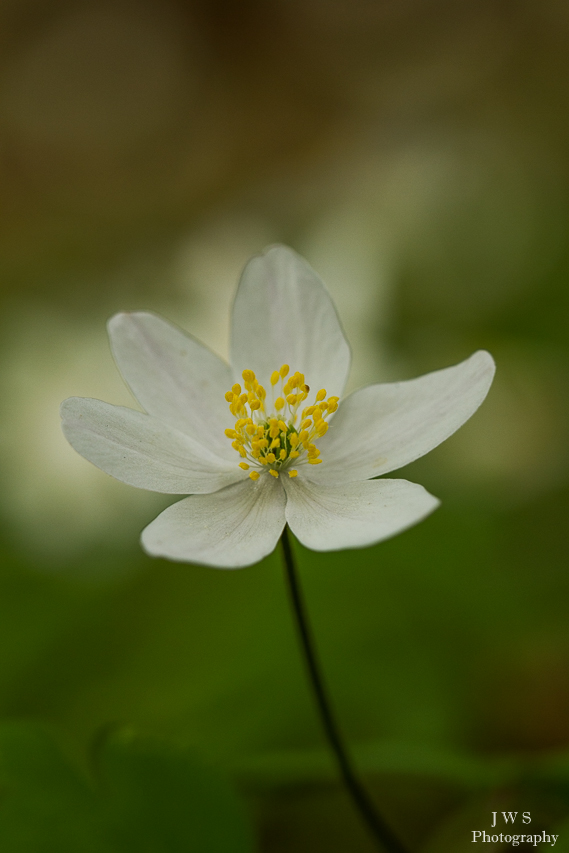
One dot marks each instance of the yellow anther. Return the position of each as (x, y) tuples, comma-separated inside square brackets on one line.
[(275, 437), (293, 473), (254, 475)]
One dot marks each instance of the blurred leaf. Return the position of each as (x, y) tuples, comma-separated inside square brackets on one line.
[(162, 800), (381, 758), (149, 799)]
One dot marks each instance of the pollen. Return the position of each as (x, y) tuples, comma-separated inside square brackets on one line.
[(273, 431)]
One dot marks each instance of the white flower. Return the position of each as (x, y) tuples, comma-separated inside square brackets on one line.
[(258, 444)]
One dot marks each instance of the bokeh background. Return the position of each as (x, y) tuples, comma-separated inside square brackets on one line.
[(416, 154)]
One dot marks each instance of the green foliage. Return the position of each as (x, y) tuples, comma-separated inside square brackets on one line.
[(146, 798)]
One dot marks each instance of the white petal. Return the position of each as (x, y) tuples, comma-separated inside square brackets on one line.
[(141, 450), (284, 315), (329, 518), (232, 528), (174, 377), (383, 427)]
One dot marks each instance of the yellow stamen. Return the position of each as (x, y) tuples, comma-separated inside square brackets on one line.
[(270, 437)]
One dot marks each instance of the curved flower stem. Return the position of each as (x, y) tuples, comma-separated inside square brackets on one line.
[(375, 823)]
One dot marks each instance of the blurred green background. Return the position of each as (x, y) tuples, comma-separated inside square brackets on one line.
[(416, 154)]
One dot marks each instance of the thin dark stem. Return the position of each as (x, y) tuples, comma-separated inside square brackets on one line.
[(380, 830)]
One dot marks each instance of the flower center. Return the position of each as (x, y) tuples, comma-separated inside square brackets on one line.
[(271, 436)]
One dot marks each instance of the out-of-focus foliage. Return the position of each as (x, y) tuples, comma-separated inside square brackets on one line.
[(145, 797), (416, 154)]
